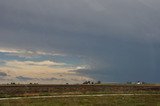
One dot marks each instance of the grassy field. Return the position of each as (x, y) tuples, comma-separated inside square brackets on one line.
[(47, 90), (149, 95), (148, 100)]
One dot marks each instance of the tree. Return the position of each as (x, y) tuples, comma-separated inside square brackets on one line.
[(99, 82)]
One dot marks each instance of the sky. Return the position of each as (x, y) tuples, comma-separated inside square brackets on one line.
[(71, 41)]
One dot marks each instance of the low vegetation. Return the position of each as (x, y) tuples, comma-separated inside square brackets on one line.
[(148, 100), (151, 95), (47, 90)]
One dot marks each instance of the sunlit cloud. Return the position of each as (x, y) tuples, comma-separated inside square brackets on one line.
[(28, 53), (36, 66), (41, 72), (33, 63)]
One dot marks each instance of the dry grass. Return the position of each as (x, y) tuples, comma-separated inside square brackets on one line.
[(148, 100)]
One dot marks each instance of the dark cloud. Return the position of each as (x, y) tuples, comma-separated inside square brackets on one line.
[(22, 78), (119, 39), (52, 79), (3, 74)]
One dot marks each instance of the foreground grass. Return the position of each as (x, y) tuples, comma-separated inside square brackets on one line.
[(137, 100)]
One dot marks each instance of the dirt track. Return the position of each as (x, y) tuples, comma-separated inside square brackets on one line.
[(66, 96)]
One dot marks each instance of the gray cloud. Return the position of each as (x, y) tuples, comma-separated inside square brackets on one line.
[(52, 79), (119, 39), (22, 78), (3, 74)]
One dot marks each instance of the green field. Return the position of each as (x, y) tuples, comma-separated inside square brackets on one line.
[(137, 100), (125, 95)]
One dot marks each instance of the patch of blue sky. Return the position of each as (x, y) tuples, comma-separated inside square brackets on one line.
[(6, 56), (74, 60), (69, 61)]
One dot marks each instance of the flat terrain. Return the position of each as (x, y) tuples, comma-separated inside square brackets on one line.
[(110, 100), (80, 95), (47, 90)]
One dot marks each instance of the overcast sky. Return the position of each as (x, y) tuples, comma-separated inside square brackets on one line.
[(60, 41)]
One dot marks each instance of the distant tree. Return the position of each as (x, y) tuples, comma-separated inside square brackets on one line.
[(89, 82), (129, 82), (85, 82), (13, 83), (144, 83), (98, 82)]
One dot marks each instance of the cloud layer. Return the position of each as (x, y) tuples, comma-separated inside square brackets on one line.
[(117, 40), (40, 71)]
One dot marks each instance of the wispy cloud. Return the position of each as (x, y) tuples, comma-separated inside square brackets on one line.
[(28, 53), (36, 66), (34, 63)]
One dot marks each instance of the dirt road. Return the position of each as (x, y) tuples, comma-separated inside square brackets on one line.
[(66, 96)]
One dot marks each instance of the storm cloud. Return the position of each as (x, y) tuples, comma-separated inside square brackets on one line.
[(3, 74), (118, 40)]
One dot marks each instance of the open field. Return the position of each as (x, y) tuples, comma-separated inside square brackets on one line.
[(47, 90), (112, 100), (80, 95)]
